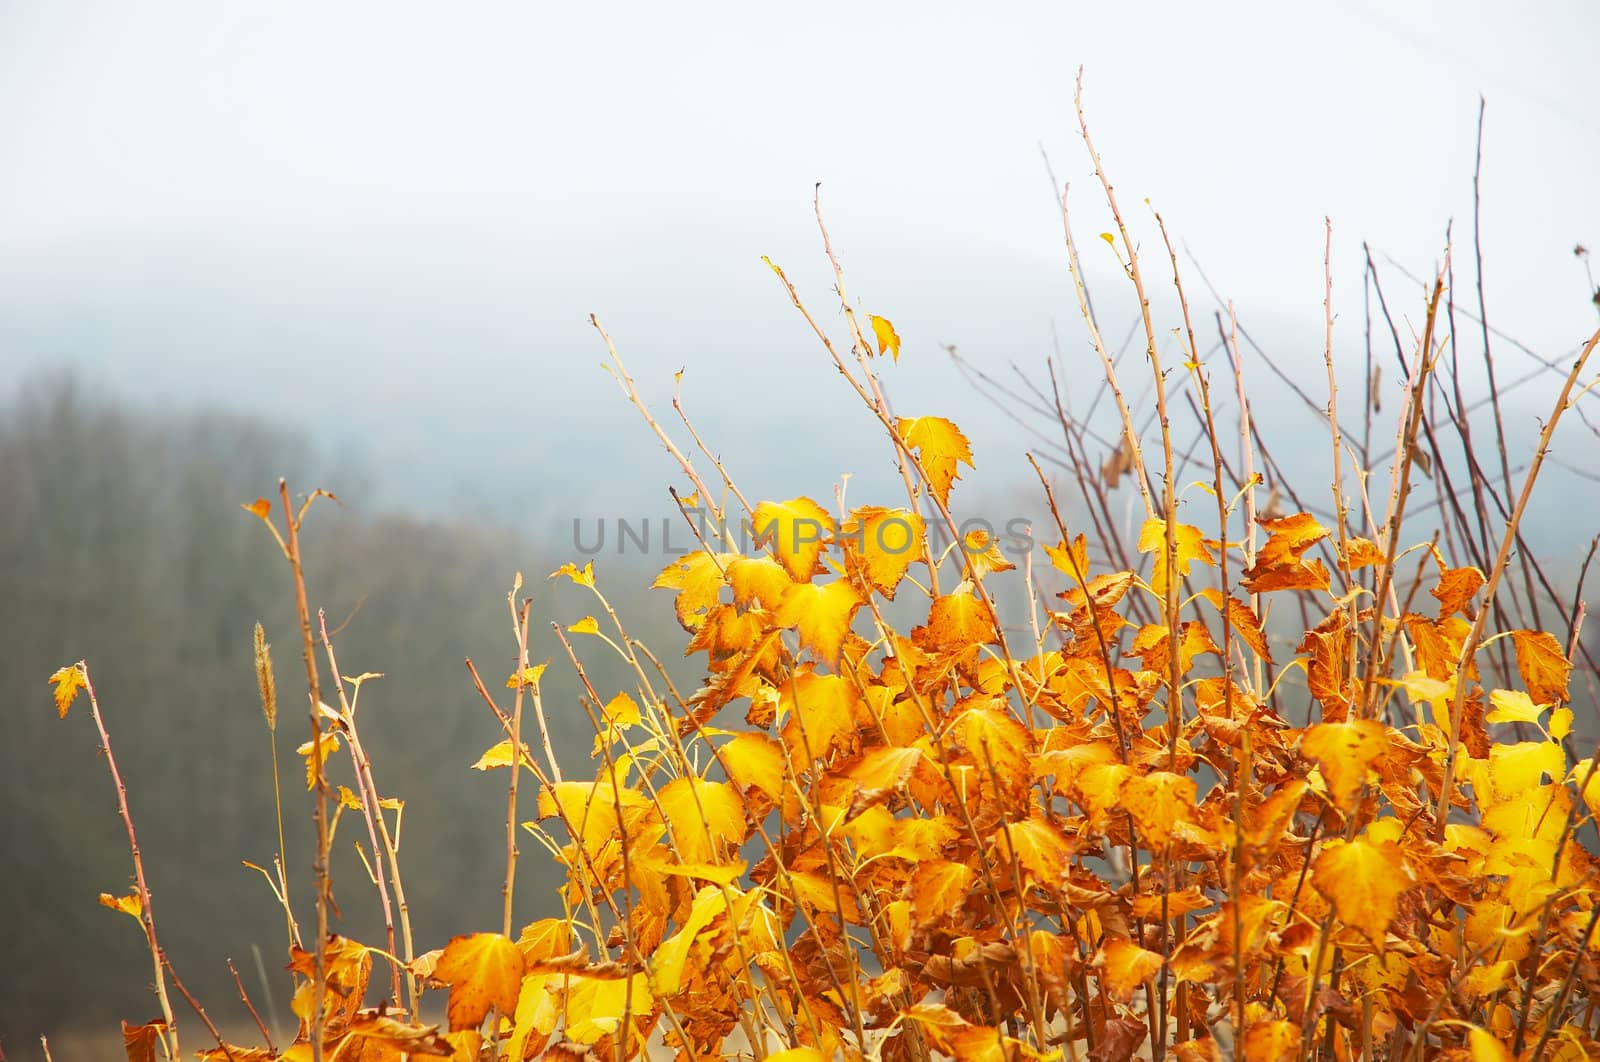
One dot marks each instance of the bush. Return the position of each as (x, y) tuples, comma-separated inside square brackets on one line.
[(1097, 831)]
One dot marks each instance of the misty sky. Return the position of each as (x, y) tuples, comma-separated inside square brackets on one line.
[(389, 221)]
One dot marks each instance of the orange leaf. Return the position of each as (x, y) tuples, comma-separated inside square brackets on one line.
[(940, 448), (959, 621), (1158, 802), (938, 887), (1364, 881), (1344, 751), (140, 1040), (796, 530), (755, 760), (484, 972), (759, 581), (1124, 966), (130, 904), (886, 541), (1279, 564), (821, 615), (698, 580), (1543, 665), (1272, 1041)]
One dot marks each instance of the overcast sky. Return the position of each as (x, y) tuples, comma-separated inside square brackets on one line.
[(529, 163)]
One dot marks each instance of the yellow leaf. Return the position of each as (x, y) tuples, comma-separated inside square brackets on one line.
[(67, 681), (1515, 769), (672, 954), (595, 1006), (888, 338), (958, 621), (758, 581), (329, 743), (130, 904), (530, 676), (484, 972), (885, 543), (1512, 706), (707, 818), (587, 625), (1191, 547), (261, 507), (1040, 849), (1344, 751), (885, 769), (1159, 802), (1364, 881), (940, 448), (698, 579), (582, 576), (496, 756), (1486, 1047), (821, 615), (796, 530), (754, 760)]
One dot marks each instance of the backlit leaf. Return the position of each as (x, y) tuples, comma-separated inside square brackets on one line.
[(1344, 751), (484, 972), (1364, 881), (796, 530), (888, 339), (67, 682), (940, 448)]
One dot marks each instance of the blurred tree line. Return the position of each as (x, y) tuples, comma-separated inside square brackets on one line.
[(122, 542)]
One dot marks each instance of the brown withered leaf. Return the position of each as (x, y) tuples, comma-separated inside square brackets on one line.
[(140, 1041)]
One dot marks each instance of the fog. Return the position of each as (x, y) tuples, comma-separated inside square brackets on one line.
[(360, 244)]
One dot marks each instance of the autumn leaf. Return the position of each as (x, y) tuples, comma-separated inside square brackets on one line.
[(938, 887), (329, 743), (796, 530), (1191, 547), (130, 904), (484, 972), (888, 339), (1513, 706), (698, 578), (1159, 802), (1280, 564), (498, 755), (940, 448), (754, 761), (707, 818), (529, 678), (1272, 1041), (582, 576), (758, 582), (821, 615), (959, 620), (1246, 624), (1364, 881), (1039, 848), (1124, 966), (885, 543), (1344, 751), (1543, 665), (67, 682), (140, 1041)]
